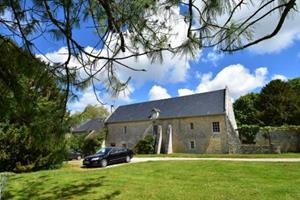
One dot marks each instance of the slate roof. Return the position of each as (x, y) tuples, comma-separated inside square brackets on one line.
[(91, 125), (201, 104)]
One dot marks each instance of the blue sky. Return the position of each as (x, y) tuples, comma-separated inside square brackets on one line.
[(243, 72)]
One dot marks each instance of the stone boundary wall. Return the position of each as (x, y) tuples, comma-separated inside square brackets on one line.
[(289, 141), (259, 149)]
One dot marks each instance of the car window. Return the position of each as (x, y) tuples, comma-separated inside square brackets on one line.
[(103, 150), (114, 150), (122, 150)]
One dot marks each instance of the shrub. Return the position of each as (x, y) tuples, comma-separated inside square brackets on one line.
[(145, 146), (75, 142), (87, 144), (248, 133), (91, 144), (22, 149)]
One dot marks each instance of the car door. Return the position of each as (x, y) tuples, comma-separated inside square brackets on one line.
[(120, 155), (114, 155), (123, 154)]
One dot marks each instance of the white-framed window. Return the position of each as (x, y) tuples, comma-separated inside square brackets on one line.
[(192, 144), (216, 127)]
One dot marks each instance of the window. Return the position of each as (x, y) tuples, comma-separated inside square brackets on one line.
[(192, 125), (125, 129), (216, 127), (124, 145), (192, 144)]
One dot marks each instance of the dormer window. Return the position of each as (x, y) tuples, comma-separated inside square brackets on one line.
[(154, 114)]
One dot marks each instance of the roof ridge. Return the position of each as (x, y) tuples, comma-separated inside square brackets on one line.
[(201, 93)]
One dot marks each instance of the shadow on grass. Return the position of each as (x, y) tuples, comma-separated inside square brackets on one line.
[(40, 189)]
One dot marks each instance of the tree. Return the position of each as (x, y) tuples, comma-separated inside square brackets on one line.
[(295, 84), (90, 112), (94, 111), (129, 28), (245, 111), (277, 104), (87, 143), (31, 129)]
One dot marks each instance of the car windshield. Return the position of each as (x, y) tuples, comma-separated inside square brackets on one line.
[(103, 151)]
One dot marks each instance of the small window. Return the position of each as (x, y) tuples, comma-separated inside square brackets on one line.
[(192, 144), (192, 125), (124, 145), (216, 127), (125, 129), (114, 150), (112, 144)]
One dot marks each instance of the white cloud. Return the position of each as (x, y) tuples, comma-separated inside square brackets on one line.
[(7, 15), (87, 98), (287, 36), (237, 78), (280, 77), (185, 91), (198, 74), (213, 57), (158, 92), (171, 70)]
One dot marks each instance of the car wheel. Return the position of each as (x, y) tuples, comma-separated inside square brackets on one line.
[(128, 159), (103, 163)]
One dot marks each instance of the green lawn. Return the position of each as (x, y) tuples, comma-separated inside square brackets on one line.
[(162, 180), (197, 155)]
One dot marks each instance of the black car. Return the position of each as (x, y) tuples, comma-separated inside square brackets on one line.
[(74, 155), (107, 156)]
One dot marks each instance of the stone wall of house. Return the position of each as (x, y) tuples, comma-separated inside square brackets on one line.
[(135, 131), (204, 139), (233, 141), (229, 109), (289, 141)]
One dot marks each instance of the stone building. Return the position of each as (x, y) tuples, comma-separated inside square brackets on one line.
[(89, 126), (198, 123)]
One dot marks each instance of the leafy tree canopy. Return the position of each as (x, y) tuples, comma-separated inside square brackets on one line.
[(90, 112), (245, 111), (31, 129), (277, 103), (295, 84), (127, 28)]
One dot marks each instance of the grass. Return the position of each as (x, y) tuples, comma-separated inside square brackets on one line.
[(195, 155), (161, 180)]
